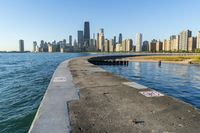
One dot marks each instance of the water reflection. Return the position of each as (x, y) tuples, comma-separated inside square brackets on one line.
[(180, 81)]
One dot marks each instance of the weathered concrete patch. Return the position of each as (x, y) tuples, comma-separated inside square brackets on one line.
[(135, 85)]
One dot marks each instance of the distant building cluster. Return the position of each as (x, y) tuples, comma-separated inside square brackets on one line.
[(83, 43), (183, 42), (61, 46)]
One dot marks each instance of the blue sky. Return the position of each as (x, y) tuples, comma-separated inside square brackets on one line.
[(56, 19)]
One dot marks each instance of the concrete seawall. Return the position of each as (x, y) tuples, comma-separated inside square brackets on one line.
[(108, 104), (52, 115)]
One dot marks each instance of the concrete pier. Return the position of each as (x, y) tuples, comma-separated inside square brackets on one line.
[(108, 104)]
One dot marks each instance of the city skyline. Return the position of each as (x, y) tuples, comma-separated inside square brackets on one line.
[(41, 20), (182, 42)]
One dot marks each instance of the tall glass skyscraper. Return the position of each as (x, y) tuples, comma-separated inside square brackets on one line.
[(86, 33), (120, 38), (70, 40), (80, 39)]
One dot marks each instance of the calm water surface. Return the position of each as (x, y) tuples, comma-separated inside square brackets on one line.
[(179, 81), (24, 79)]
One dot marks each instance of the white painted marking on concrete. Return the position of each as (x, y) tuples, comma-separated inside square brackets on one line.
[(135, 85), (151, 93), (59, 79)]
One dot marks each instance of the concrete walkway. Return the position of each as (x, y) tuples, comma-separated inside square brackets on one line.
[(110, 104), (52, 115)]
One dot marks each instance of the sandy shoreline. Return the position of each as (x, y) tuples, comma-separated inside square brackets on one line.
[(142, 59)]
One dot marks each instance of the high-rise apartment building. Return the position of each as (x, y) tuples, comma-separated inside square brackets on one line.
[(184, 36), (152, 45), (75, 43), (97, 43), (138, 42), (168, 45), (94, 41), (145, 46), (174, 43), (86, 33), (159, 45), (111, 45), (198, 40), (106, 45), (165, 45), (21, 45), (124, 45), (64, 42), (118, 47), (192, 41), (129, 44)]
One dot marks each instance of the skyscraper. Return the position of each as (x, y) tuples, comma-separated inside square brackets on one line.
[(75, 43), (183, 44), (86, 33), (80, 39), (198, 39), (174, 41), (94, 41), (21, 45), (192, 41), (124, 45), (64, 42), (70, 40), (34, 46), (120, 38), (97, 44), (159, 45), (129, 44), (138, 42), (152, 45), (145, 46), (114, 40), (106, 45), (101, 40), (111, 45)]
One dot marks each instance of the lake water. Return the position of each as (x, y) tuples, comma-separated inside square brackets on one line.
[(24, 79), (176, 80)]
